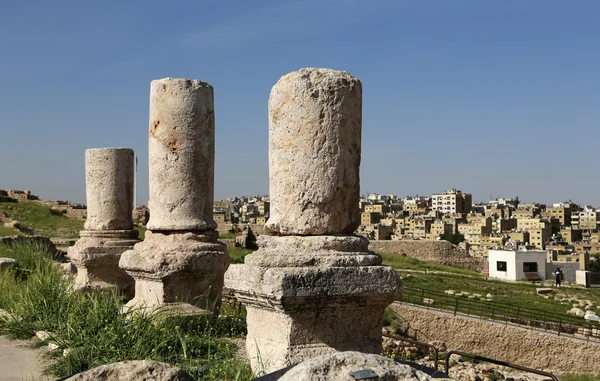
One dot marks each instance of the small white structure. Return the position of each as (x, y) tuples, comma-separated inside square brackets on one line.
[(517, 264)]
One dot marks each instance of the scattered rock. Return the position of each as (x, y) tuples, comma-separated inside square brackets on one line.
[(143, 370), (489, 296), (544, 291), (338, 366), (450, 292), (7, 263), (50, 347), (591, 316), (427, 301), (43, 335), (68, 268), (576, 312)]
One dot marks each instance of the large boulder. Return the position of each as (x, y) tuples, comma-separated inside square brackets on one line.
[(576, 312), (591, 316), (142, 370), (339, 365)]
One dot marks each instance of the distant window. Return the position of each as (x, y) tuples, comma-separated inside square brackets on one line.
[(530, 267), (501, 266)]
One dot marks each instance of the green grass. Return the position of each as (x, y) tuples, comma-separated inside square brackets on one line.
[(43, 220), (580, 377), (237, 254), (141, 230), (96, 331), (5, 232), (516, 293), (407, 263), (228, 235)]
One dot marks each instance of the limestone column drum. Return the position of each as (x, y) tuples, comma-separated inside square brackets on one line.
[(109, 225), (180, 263), (313, 287)]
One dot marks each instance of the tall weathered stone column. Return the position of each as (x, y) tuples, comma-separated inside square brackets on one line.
[(109, 225), (313, 287), (181, 262)]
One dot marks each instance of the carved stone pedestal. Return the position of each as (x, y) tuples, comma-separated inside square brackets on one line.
[(307, 296), (177, 270), (96, 255)]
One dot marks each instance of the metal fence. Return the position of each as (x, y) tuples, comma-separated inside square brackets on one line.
[(503, 312)]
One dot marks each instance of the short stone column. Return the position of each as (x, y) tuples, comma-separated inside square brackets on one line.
[(313, 287), (181, 263), (109, 225)]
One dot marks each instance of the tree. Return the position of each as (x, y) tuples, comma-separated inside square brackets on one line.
[(595, 264), (454, 238)]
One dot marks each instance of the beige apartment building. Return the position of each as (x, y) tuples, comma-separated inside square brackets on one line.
[(370, 218), (452, 202), (526, 211), (521, 236), (571, 235), (417, 208), (439, 229), (504, 226), (562, 214), (377, 208), (264, 208), (586, 220), (540, 230), (474, 229)]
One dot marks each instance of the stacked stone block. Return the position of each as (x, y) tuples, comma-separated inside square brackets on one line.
[(109, 225), (313, 287), (181, 263)]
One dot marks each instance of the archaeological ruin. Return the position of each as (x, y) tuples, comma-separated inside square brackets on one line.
[(313, 287), (180, 264), (108, 229)]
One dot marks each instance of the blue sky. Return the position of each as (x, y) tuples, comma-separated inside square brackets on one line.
[(491, 97)]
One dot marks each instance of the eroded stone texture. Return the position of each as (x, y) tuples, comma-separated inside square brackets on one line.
[(329, 295), (338, 366), (177, 268), (96, 256), (315, 121), (109, 225), (180, 264), (181, 149), (109, 188), (140, 370), (313, 287)]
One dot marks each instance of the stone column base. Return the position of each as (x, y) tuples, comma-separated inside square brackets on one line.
[(96, 255), (173, 270), (314, 299)]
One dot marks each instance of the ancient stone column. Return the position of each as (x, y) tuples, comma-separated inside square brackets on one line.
[(313, 287), (108, 226), (180, 263)]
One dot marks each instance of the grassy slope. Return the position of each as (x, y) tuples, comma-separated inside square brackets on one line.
[(517, 293), (43, 220), (5, 232), (96, 330)]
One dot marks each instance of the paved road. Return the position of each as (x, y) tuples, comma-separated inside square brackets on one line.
[(18, 363)]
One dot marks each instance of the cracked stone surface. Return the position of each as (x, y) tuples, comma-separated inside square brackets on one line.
[(315, 122)]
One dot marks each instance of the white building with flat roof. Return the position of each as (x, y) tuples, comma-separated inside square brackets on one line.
[(517, 264)]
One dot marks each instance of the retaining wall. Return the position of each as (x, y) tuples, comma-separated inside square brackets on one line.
[(440, 251), (513, 344)]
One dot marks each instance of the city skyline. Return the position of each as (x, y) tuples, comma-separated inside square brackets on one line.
[(490, 98)]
